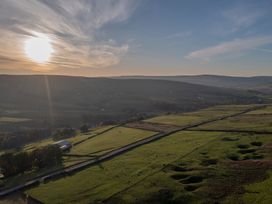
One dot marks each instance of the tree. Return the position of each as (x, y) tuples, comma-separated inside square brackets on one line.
[(7, 165), (84, 128), (12, 164), (47, 156), (64, 133)]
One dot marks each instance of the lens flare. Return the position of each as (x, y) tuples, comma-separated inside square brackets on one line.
[(39, 48)]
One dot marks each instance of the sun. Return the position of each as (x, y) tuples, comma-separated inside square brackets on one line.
[(39, 48)]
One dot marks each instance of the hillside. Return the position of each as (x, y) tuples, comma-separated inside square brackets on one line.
[(223, 156), (66, 100), (258, 83)]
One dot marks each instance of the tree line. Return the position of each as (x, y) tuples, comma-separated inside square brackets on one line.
[(16, 163), (10, 140)]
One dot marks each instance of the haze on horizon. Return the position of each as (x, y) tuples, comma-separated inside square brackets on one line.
[(136, 37)]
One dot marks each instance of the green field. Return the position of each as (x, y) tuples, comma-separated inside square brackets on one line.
[(105, 142), (13, 120), (30, 147), (185, 167), (206, 163), (259, 192), (112, 139), (259, 120), (145, 174), (198, 116), (115, 175)]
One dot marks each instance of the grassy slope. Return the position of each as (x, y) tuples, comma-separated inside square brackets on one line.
[(217, 149), (113, 139), (259, 120), (198, 116), (259, 192), (30, 147), (109, 178), (13, 120)]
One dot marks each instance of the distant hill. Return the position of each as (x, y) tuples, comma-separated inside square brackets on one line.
[(258, 83), (73, 100)]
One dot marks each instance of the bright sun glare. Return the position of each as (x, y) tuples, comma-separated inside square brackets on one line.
[(39, 48)]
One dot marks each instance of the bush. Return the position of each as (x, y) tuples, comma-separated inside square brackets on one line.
[(246, 151), (208, 162), (84, 128), (64, 133), (256, 143), (233, 156), (243, 146)]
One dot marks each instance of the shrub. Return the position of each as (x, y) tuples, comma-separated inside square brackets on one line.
[(207, 162), (256, 143), (243, 146), (64, 133), (246, 151), (84, 128), (233, 156)]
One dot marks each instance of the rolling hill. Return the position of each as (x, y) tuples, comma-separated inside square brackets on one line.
[(257, 83), (64, 100)]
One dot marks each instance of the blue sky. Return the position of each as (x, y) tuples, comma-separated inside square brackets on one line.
[(139, 37)]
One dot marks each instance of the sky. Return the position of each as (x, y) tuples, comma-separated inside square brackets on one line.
[(136, 37)]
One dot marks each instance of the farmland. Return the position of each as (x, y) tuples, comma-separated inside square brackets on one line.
[(113, 139), (187, 166), (198, 116), (258, 120)]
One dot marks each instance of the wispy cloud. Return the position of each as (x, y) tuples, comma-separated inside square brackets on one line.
[(72, 25), (262, 49), (243, 16), (231, 47), (183, 34)]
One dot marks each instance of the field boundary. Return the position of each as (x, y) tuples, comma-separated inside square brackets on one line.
[(97, 134), (109, 155), (232, 131), (159, 170)]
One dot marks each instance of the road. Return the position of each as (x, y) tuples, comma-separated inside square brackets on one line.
[(109, 155)]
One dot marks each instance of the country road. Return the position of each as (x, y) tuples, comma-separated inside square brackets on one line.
[(109, 155)]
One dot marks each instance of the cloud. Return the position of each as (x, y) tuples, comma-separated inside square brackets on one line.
[(262, 49), (73, 27), (241, 17), (179, 35), (231, 47)]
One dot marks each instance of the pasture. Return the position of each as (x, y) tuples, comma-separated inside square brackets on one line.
[(198, 116), (207, 163), (258, 120), (115, 175)]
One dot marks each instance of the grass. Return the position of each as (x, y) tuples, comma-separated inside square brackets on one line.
[(198, 116), (259, 192), (15, 180), (258, 120), (13, 120), (113, 139), (77, 138), (105, 142), (186, 167), (125, 170), (191, 178), (266, 110), (249, 122)]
